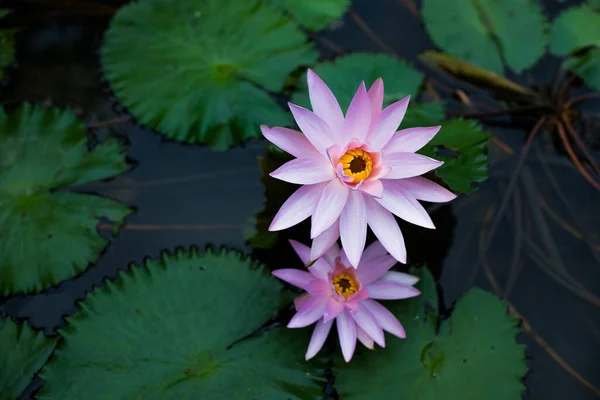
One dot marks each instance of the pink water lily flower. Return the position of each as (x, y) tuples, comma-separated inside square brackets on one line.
[(337, 291), (355, 170)]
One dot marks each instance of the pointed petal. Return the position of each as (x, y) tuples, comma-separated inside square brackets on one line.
[(358, 116), (331, 254), (401, 203), (376, 98), (318, 338), (294, 276), (373, 251), (388, 290), (330, 205), (301, 300), (353, 227), (302, 250), (325, 240), (365, 339), (299, 206), (386, 124), (305, 171), (309, 313), (407, 165), (372, 269), (426, 190), (290, 141), (333, 309), (385, 318), (384, 226), (334, 153), (318, 287), (367, 322), (410, 140), (399, 277), (320, 269), (324, 104), (347, 333), (314, 128), (373, 188)]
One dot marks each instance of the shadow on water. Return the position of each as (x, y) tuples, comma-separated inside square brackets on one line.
[(544, 256)]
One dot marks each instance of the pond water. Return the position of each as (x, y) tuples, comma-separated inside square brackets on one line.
[(190, 195)]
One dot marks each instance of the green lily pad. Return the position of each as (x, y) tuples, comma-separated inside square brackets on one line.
[(469, 163), (575, 28), (49, 234), (313, 14), (345, 73), (488, 33), (201, 70), (474, 356), (172, 330), (23, 351), (587, 66)]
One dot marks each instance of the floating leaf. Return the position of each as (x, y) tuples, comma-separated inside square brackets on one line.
[(172, 330), (23, 351), (423, 114), (478, 341), (49, 234), (470, 164), (488, 32), (344, 74), (201, 70), (587, 66), (313, 14), (575, 28)]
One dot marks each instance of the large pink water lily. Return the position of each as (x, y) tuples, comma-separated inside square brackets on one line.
[(337, 291), (355, 170)]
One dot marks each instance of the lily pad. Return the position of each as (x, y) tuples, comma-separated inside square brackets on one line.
[(23, 351), (48, 233), (345, 73), (313, 14), (202, 70), (587, 66), (474, 355), (173, 330), (488, 33)]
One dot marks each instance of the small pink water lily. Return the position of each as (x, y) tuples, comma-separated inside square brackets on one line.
[(356, 171), (337, 291)]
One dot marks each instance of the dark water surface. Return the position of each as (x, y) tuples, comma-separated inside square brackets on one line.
[(189, 195)]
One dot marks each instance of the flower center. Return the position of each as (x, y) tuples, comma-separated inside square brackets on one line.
[(357, 164), (344, 285)]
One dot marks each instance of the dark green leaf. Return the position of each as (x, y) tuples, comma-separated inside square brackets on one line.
[(313, 14), (23, 351), (201, 70), (172, 330), (49, 234), (587, 66), (574, 29)]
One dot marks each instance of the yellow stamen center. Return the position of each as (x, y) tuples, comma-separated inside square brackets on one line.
[(357, 164), (344, 285)]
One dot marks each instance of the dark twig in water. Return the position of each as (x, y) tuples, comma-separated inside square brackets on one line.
[(110, 122), (563, 136), (495, 113), (410, 6), (580, 99), (573, 133), (369, 32)]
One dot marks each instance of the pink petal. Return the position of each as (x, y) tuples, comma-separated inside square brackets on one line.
[(388, 290), (334, 153), (290, 141), (320, 269), (302, 250), (344, 258), (330, 205), (385, 318), (407, 165), (373, 251), (399, 277), (358, 116), (301, 300), (347, 333), (318, 287), (367, 322), (325, 240), (410, 140), (299, 206), (314, 128), (384, 226), (353, 227), (294, 276), (333, 309), (386, 124), (331, 254), (373, 188), (309, 313), (318, 338), (376, 98), (305, 171), (380, 172), (426, 190), (372, 269), (401, 203), (324, 104), (365, 339)]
